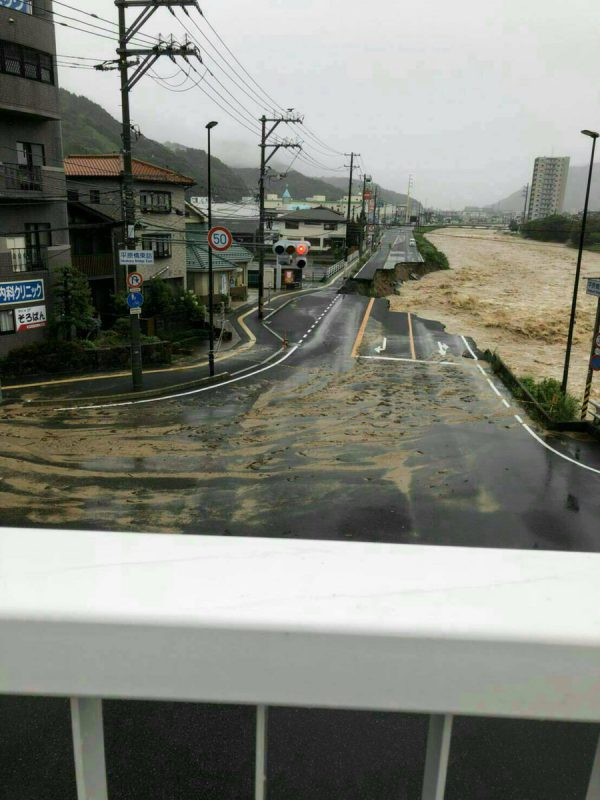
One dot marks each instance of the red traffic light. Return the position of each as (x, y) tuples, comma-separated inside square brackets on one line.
[(301, 249)]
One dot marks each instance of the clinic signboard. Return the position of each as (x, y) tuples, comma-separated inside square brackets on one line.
[(17, 5), (18, 292)]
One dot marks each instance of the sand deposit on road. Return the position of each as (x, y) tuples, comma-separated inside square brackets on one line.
[(510, 295)]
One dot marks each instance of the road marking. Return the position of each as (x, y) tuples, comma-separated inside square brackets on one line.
[(494, 387), (382, 346), (506, 403), (183, 394), (412, 341), (557, 452), (443, 348), (469, 348), (481, 369), (362, 329), (519, 420), (411, 360)]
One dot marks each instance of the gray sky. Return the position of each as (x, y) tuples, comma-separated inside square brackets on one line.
[(463, 95)]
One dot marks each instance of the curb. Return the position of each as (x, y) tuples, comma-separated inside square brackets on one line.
[(148, 394)]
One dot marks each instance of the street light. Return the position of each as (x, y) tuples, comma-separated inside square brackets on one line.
[(211, 330), (593, 135)]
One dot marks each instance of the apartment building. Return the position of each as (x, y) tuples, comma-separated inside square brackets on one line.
[(548, 186), (33, 209)]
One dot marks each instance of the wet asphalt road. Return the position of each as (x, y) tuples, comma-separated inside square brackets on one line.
[(408, 443)]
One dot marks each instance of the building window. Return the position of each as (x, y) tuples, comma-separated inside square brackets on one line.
[(7, 322), (292, 226), (30, 154), (73, 195), (330, 226), (15, 59), (155, 202), (159, 243), (94, 196), (38, 238)]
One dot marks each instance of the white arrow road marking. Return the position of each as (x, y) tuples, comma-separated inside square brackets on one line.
[(382, 346), (443, 348)]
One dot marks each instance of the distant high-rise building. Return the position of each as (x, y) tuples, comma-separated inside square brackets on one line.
[(548, 186)]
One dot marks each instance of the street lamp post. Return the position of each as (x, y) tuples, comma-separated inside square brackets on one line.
[(211, 310), (593, 135)]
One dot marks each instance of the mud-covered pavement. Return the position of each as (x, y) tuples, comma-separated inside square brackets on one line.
[(325, 445)]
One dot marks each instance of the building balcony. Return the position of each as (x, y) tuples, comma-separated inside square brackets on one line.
[(28, 259), (434, 636), (100, 265), (19, 178)]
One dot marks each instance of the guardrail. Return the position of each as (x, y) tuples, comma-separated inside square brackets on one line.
[(595, 412), (440, 631)]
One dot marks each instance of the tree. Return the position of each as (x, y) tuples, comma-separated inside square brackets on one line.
[(513, 225), (73, 309)]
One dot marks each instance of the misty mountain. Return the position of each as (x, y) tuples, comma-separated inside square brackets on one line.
[(574, 194), (387, 195), (300, 186), (88, 128)]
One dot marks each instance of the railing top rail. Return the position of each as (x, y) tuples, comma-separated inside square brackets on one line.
[(316, 623)]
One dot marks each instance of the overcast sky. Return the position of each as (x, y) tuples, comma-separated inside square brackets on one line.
[(462, 95)]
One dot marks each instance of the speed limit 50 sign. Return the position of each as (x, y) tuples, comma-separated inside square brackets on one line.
[(219, 239)]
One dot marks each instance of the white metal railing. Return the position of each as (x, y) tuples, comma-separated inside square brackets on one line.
[(406, 628)]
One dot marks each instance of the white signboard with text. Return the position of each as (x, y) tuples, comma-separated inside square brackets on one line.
[(136, 258), (29, 318)]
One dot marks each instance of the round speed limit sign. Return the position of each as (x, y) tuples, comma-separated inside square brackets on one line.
[(219, 239)]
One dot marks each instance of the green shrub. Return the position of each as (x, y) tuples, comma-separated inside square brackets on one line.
[(45, 357), (433, 257), (548, 393)]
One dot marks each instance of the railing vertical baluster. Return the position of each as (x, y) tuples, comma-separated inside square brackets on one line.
[(593, 790), (88, 747), (436, 759), (260, 774)]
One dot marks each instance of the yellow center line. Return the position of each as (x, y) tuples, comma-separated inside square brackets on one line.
[(363, 327), (412, 338)]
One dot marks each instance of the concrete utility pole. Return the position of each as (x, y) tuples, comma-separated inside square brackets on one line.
[(264, 160), (142, 60), (363, 217), (526, 196), (347, 248), (410, 185)]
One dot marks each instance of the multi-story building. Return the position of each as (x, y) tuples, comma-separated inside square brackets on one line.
[(322, 227), (33, 209), (96, 182), (548, 186)]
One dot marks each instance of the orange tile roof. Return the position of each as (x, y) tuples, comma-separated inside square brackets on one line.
[(111, 166)]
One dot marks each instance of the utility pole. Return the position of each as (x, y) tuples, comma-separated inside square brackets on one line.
[(264, 160), (142, 59), (375, 220), (590, 372), (525, 195), (410, 184), (363, 216), (346, 249)]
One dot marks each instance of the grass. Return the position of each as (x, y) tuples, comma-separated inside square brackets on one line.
[(433, 257), (548, 393)]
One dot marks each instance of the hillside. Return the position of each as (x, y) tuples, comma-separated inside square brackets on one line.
[(88, 128), (387, 195), (300, 186)]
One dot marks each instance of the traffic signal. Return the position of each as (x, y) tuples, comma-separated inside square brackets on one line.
[(302, 249), (283, 247)]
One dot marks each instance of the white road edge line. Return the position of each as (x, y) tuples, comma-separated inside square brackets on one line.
[(481, 369), (493, 387), (519, 420), (506, 403), (557, 452), (469, 348), (184, 394)]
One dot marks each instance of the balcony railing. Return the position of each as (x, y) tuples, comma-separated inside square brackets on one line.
[(27, 259), (99, 265), (440, 631), (16, 177)]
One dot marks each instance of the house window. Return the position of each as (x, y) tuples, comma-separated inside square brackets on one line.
[(155, 202), (159, 243), (94, 196), (73, 195), (17, 247), (7, 322), (15, 59), (330, 226), (292, 226), (30, 154)]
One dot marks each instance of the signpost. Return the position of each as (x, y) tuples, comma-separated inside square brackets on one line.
[(135, 281), (593, 286), (135, 300), (219, 239), (136, 258)]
